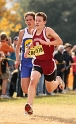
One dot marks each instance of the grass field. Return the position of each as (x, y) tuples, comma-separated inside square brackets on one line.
[(58, 109)]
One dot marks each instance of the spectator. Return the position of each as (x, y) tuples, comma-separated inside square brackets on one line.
[(12, 56), (60, 62), (19, 89), (12, 87), (74, 72), (11, 61), (68, 59), (5, 48), (15, 41)]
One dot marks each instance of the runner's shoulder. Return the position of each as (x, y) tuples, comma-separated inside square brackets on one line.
[(49, 29), (21, 32)]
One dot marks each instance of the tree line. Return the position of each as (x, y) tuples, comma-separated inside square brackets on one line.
[(60, 16)]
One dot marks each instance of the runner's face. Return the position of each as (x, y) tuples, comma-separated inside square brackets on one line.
[(39, 22), (29, 21)]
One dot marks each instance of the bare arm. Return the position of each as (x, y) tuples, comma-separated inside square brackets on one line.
[(21, 32), (73, 49), (50, 33)]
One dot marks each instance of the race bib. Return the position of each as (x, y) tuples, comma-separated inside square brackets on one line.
[(39, 50), (31, 53), (36, 51)]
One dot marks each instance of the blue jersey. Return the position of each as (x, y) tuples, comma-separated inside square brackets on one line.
[(26, 63), (26, 40)]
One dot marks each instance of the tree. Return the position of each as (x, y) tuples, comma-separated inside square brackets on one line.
[(9, 18), (61, 16), (60, 13), (23, 8)]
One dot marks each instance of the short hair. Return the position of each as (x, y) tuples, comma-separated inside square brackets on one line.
[(16, 38), (3, 36), (61, 47), (29, 14), (42, 14), (67, 45)]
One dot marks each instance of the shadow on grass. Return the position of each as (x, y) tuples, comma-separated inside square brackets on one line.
[(53, 118)]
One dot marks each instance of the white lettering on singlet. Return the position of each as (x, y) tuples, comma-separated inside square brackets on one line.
[(37, 39)]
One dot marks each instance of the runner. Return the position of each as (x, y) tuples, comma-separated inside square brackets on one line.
[(45, 38), (25, 38)]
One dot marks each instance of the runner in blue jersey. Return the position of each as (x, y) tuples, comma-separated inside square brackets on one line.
[(25, 38)]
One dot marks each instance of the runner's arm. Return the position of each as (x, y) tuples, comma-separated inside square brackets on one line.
[(21, 32), (28, 49), (50, 33), (17, 62)]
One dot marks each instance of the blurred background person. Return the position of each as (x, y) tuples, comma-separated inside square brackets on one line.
[(68, 60), (74, 70), (11, 61), (58, 56), (5, 48), (18, 86)]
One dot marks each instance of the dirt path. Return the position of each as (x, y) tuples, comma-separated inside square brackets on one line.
[(11, 113)]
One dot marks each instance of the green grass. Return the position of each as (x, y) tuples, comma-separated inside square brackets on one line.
[(63, 99), (67, 99)]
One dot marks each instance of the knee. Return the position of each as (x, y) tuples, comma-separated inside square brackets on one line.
[(33, 82)]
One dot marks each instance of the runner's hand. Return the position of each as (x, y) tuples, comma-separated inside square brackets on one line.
[(17, 63), (26, 52), (43, 42)]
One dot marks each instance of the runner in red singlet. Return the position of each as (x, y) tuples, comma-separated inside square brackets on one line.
[(46, 38)]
